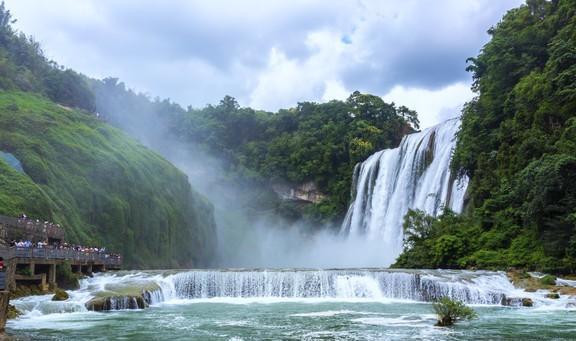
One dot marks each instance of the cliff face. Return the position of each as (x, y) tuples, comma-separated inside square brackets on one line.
[(103, 187), (306, 192)]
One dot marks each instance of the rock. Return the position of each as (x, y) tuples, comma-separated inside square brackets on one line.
[(60, 295), (116, 303), (553, 295), (12, 312), (527, 302), (517, 302), (96, 304)]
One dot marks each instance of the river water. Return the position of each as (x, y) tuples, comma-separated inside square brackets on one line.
[(289, 304)]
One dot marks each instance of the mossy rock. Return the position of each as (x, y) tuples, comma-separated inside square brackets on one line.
[(548, 280), (12, 312), (60, 295), (26, 290), (553, 295)]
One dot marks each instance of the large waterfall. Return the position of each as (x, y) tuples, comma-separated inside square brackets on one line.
[(416, 175)]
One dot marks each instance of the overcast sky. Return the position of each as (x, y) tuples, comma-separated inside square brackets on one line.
[(272, 54)]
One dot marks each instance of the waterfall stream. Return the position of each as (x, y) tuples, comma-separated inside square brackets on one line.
[(416, 175)]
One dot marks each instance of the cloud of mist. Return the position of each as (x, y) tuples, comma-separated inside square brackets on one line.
[(249, 235)]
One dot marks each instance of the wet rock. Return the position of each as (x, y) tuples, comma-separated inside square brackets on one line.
[(527, 302), (116, 303), (517, 302), (12, 312), (60, 295), (553, 295)]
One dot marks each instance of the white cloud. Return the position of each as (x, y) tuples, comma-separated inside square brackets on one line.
[(268, 54), (433, 106)]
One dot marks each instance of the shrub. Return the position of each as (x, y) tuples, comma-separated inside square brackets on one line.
[(450, 311), (548, 280)]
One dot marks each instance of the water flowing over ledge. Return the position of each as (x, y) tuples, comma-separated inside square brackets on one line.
[(286, 285), (416, 175)]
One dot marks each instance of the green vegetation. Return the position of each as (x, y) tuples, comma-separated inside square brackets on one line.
[(23, 67), (451, 311), (102, 186), (65, 278), (311, 142), (518, 145), (548, 280)]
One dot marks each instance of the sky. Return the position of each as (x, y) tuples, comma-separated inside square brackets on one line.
[(272, 54)]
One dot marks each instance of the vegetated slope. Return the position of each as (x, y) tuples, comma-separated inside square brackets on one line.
[(518, 145), (103, 187)]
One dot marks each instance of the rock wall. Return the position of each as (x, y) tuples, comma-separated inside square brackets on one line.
[(307, 192)]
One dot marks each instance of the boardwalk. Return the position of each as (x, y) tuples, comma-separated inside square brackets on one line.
[(71, 255), (38, 264)]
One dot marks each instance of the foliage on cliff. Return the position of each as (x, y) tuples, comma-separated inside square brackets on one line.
[(24, 67), (102, 186), (518, 145), (105, 188)]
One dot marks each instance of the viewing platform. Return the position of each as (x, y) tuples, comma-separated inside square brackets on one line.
[(35, 262), (31, 250), (38, 265), (25, 228)]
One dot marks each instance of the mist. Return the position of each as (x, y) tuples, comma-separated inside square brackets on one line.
[(249, 234)]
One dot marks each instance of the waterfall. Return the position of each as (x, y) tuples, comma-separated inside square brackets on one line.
[(416, 175), (289, 285), (341, 284)]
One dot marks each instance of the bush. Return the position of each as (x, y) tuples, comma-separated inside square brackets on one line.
[(548, 280), (450, 311)]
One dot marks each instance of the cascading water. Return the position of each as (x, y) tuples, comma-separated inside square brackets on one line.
[(474, 287), (224, 304), (416, 175)]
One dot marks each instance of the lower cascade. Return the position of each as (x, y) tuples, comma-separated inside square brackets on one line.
[(141, 289), (416, 175), (341, 284)]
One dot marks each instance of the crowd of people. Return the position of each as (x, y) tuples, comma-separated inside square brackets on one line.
[(54, 244), (59, 246), (46, 226)]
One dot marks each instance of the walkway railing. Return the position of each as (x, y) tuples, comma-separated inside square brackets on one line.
[(55, 253)]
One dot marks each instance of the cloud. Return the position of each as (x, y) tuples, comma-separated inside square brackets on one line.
[(433, 106), (268, 54)]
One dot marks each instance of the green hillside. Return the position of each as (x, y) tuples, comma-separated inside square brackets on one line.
[(103, 187), (518, 145)]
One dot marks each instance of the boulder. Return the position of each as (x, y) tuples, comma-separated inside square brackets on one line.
[(527, 302), (12, 312), (517, 302), (60, 295), (553, 295), (108, 303)]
